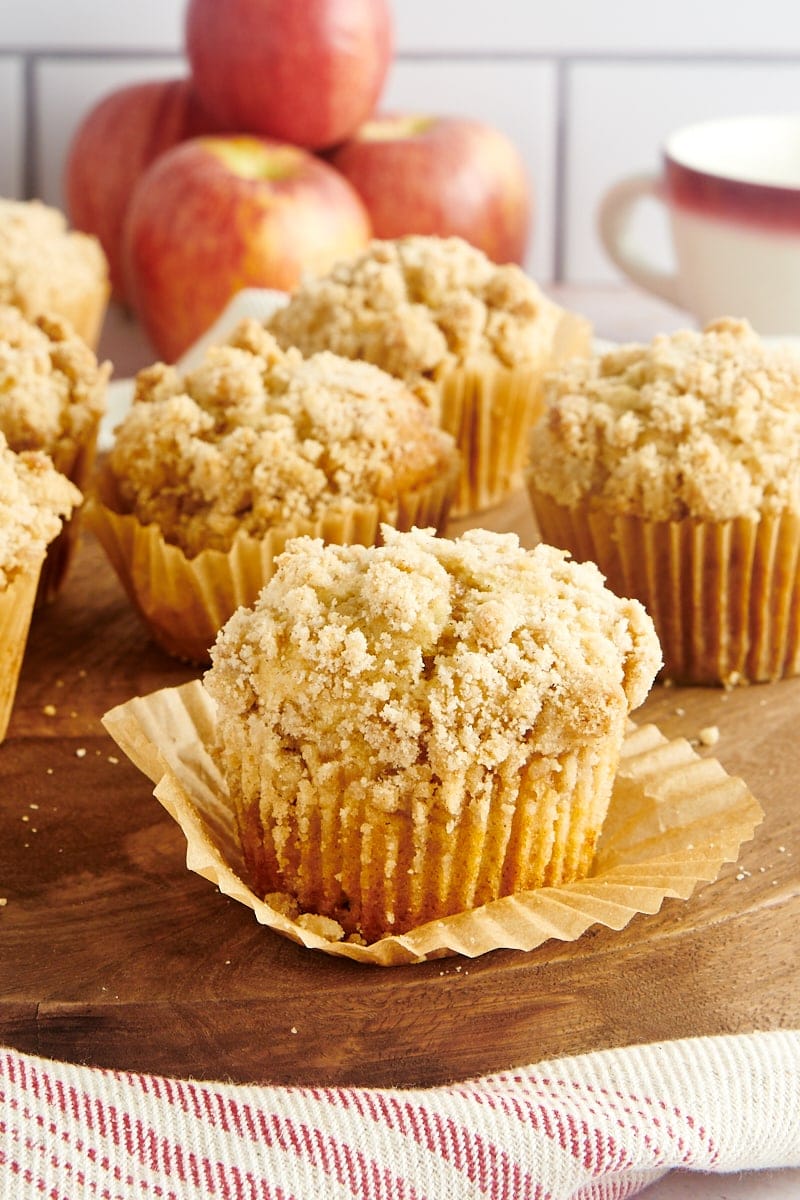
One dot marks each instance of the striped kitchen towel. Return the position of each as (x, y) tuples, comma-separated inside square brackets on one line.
[(601, 1126)]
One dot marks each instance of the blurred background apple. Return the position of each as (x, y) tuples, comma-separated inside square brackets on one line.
[(115, 141), (214, 215), (418, 173), (303, 71)]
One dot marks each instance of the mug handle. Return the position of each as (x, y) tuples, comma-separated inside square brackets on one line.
[(614, 221)]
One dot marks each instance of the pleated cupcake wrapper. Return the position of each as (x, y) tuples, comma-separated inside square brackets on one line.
[(78, 467), (724, 597), (86, 312), (489, 413), (673, 821), (536, 826), (185, 601), (16, 608)]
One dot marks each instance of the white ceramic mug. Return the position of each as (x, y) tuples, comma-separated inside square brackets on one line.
[(732, 191)]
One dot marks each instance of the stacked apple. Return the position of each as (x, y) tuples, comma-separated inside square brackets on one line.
[(269, 163)]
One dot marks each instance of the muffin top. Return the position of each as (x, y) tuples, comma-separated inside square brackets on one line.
[(703, 425), (427, 657), (256, 437), (41, 260), (33, 499), (52, 390), (420, 306)]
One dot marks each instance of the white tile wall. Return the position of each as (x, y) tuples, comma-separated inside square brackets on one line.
[(598, 26), (587, 90), (619, 115), (12, 149)]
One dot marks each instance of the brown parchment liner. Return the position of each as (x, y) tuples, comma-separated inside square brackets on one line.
[(674, 819), (724, 596), (16, 609), (184, 602), (489, 410)]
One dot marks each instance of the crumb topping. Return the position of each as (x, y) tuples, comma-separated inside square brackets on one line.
[(256, 437), (34, 498), (52, 390), (41, 260), (419, 306), (696, 424), (425, 657)]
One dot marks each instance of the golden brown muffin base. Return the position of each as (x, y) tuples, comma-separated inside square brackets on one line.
[(724, 596), (379, 872)]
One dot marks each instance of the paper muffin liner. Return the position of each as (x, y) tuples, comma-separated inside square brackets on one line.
[(16, 608), (490, 410), (539, 825), (184, 601), (77, 465), (86, 311), (674, 819), (724, 597)]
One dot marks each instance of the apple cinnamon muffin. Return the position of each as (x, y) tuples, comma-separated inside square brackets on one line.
[(414, 729), (34, 499), (470, 337), (52, 398), (212, 471), (675, 466), (45, 267)]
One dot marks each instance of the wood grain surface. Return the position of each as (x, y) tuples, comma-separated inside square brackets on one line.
[(113, 953)]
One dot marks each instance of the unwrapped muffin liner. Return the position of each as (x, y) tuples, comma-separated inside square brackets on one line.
[(674, 819), (184, 601), (16, 608), (724, 596)]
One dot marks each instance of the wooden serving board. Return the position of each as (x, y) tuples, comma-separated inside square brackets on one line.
[(113, 953)]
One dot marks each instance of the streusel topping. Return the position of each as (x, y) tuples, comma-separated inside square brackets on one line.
[(52, 390), (256, 437), (419, 306), (34, 497), (424, 657), (41, 259), (696, 424)]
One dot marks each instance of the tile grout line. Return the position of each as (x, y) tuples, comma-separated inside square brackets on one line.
[(559, 192), (29, 111)]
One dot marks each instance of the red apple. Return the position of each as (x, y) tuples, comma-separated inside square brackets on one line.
[(443, 176), (117, 139), (218, 214), (303, 71)]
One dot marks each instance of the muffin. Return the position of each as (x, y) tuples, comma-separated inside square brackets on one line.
[(675, 466), (52, 398), (34, 498), (47, 268), (213, 469), (470, 337), (414, 729)]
